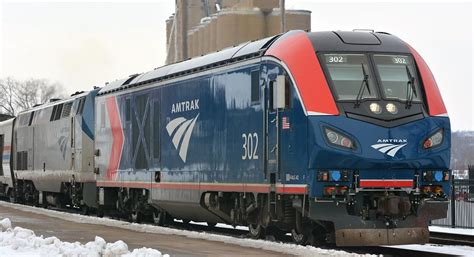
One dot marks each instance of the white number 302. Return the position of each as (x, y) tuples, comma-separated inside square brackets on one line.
[(250, 146)]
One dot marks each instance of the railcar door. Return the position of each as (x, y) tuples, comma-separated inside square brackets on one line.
[(272, 150)]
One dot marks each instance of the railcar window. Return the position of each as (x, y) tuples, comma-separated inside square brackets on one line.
[(347, 74), (396, 72), (255, 90)]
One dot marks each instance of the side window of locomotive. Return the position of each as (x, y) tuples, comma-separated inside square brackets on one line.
[(347, 73), (255, 87), (270, 98), (397, 72)]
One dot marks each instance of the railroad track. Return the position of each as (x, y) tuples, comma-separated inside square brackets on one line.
[(451, 239), (240, 233)]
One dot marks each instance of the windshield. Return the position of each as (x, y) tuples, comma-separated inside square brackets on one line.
[(347, 75), (395, 72)]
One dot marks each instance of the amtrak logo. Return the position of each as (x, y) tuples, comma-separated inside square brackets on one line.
[(180, 130), (388, 148)]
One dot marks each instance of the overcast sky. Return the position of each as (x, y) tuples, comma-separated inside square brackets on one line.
[(84, 44)]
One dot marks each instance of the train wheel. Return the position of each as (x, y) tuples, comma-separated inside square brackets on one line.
[(300, 233), (135, 216), (299, 238), (159, 217), (256, 231), (11, 196)]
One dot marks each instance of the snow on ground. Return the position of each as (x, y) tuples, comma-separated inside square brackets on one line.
[(448, 230), (21, 242), (244, 242)]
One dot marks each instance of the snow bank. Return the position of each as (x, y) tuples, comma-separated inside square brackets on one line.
[(285, 248), (19, 241)]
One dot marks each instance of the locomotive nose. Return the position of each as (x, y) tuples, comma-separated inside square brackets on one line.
[(352, 144)]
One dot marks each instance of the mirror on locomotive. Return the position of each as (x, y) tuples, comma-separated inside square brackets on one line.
[(279, 93)]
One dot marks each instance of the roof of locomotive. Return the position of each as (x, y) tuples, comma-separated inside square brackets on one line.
[(322, 41), (59, 101), (357, 41)]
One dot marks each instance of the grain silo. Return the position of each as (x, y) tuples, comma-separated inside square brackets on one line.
[(213, 34), (191, 43), (169, 25), (250, 26), (201, 42), (265, 6), (206, 35), (227, 32), (294, 19)]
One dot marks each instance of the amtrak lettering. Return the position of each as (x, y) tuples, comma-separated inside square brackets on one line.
[(185, 106), (390, 147), (392, 141)]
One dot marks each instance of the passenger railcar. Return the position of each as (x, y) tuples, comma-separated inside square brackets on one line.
[(6, 171), (340, 136)]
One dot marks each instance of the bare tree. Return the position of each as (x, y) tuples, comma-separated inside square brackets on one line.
[(7, 95), (22, 95)]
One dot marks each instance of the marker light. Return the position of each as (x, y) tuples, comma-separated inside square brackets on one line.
[(391, 108), (435, 176), (338, 139), (335, 190), (335, 175), (375, 108), (434, 140)]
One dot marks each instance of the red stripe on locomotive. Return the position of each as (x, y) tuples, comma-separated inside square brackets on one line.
[(433, 96), (386, 183), (117, 134)]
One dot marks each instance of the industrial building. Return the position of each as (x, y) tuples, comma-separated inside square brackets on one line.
[(199, 27)]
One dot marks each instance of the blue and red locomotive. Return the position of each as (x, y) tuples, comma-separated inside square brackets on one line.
[(332, 136)]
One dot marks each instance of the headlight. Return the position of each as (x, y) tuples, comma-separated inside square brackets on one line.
[(375, 108), (434, 140), (338, 139)]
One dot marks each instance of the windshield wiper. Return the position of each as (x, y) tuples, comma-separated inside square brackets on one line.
[(365, 81), (410, 85)]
